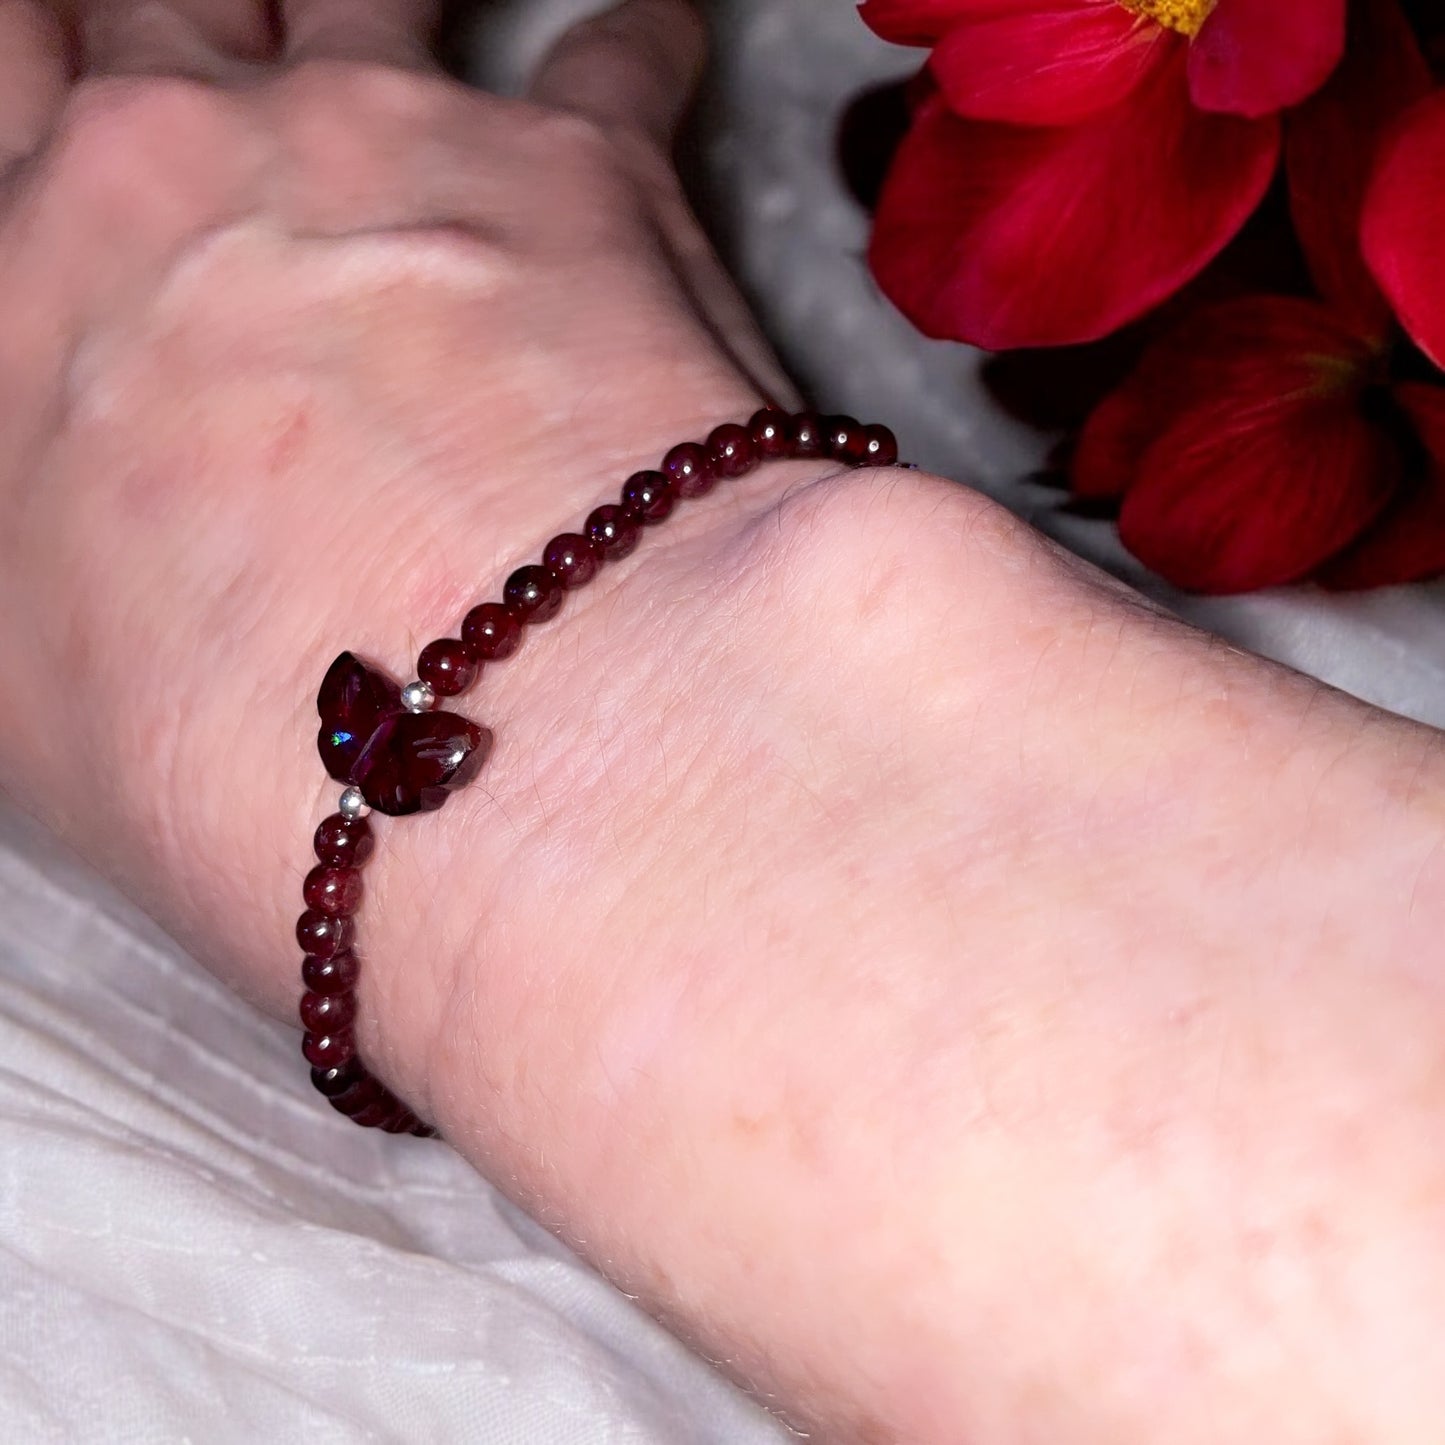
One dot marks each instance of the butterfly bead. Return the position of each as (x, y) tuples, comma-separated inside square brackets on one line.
[(402, 761)]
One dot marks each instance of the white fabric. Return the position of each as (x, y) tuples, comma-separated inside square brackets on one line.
[(191, 1248)]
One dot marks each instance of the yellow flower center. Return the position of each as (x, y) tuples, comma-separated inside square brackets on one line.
[(1185, 16)]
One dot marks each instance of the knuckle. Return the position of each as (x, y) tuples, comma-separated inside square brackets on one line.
[(606, 211), (129, 137), (349, 123), (577, 145), (365, 91), (124, 113)]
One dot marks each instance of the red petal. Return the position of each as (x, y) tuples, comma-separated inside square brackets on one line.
[(1407, 544), (1006, 236), (1106, 458), (1125, 424), (1268, 464), (921, 22), (1330, 145), (1255, 57), (1052, 64), (1402, 231)]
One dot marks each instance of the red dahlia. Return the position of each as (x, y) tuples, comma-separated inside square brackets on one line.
[(1082, 159)]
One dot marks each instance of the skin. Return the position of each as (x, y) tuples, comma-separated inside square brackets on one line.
[(964, 1002)]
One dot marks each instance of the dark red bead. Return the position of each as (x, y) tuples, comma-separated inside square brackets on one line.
[(612, 531), (882, 446), (730, 450), (361, 1095), (571, 559), (337, 974), (423, 1131), (414, 759), (321, 934), (648, 497), (533, 593), (375, 1114), (344, 842), (491, 631), (328, 1051), (771, 431), (332, 1082), (336, 891), (688, 470), (806, 435), (352, 701), (449, 665), (401, 1122), (845, 440), (325, 1013)]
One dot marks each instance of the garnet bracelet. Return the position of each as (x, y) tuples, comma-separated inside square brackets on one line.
[(395, 752)]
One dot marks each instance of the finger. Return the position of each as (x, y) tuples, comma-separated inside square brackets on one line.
[(387, 32), (207, 39), (32, 75), (633, 68)]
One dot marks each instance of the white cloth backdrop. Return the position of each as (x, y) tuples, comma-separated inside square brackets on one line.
[(191, 1249)]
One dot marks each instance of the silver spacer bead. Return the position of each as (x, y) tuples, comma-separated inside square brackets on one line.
[(418, 697), (352, 804)]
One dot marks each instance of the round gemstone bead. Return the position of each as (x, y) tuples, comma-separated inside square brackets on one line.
[(612, 531), (402, 1122), (321, 934), (344, 842), (375, 1114), (338, 1080), (335, 891), (730, 450), (361, 1095), (533, 593), (422, 1131), (845, 440), (329, 1051), (806, 434), (337, 974), (648, 497), (772, 434), (571, 559), (492, 631), (325, 1013), (882, 446), (448, 666), (688, 470)]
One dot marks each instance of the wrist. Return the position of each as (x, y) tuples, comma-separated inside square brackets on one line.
[(932, 866)]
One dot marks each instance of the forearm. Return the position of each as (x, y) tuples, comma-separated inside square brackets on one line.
[(1033, 991), (912, 967), (965, 1002)]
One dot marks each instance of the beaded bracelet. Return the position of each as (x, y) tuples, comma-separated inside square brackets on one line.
[(397, 754)]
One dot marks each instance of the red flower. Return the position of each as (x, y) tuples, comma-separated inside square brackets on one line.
[(1263, 440), (1083, 159)]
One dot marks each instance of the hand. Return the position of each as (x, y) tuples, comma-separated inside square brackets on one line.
[(306, 350), (964, 1000)]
